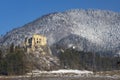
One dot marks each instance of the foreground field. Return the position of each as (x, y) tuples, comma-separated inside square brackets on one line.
[(66, 75)]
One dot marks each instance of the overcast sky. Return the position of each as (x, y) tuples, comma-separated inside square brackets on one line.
[(16, 13)]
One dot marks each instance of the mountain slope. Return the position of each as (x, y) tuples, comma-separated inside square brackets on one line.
[(99, 27)]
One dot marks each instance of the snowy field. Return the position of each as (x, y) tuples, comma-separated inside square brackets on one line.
[(61, 75)]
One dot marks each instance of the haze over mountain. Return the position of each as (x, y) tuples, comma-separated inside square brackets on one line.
[(87, 30)]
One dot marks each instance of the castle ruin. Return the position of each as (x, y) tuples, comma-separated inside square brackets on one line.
[(36, 43)]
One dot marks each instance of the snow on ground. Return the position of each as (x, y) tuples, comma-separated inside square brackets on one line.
[(72, 71), (62, 72)]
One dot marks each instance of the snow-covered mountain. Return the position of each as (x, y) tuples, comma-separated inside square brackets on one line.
[(91, 30)]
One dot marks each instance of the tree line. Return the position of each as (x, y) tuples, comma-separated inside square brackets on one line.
[(73, 59), (13, 61)]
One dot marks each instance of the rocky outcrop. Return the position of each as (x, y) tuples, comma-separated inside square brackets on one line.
[(43, 59)]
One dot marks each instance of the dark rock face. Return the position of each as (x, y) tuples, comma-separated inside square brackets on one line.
[(93, 30)]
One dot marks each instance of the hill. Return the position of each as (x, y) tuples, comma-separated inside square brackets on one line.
[(97, 29)]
